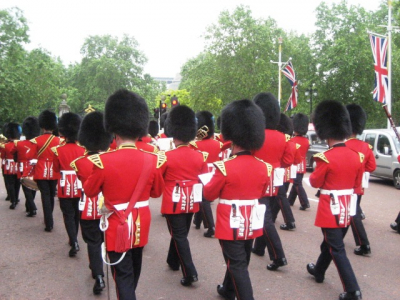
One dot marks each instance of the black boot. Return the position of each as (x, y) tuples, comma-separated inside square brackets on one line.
[(99, 285), (74, 249), (350, 296), (276, 263), (187, 281), (13, 205), (362, 250), (209, 233)]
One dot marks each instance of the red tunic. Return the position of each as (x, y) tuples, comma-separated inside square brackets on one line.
[(242, 177), (69, 185), (183, 166), (302, 151), (146, 146), (10, 166), (83, 168), (369, 163), (25, 151), (333, 172), (116, 174), (44, 169), (276, 151), (211, 146)]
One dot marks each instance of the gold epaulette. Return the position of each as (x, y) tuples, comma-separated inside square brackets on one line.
[(322, 157), (16, 142), (54, 149), (33, 141), (362, 157), (269, 166), (220, 144), (287, 137), (73, 163), (161, 158), (370, 147), (193, 143), (205, 156), (96, 160), (298, 146), (2, 145), (221, 166)]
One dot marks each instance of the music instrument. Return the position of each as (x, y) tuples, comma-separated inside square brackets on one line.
[(28, 180), (392, 124), (202, 133)]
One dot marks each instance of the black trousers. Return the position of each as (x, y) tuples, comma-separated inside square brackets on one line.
[(70, 210), (126, 274), (332, 247), (237, 258), (179, 250), (93, 237), (281, 203), (47, 190), (270, 237), (357, 226), (298, 190), (12, 186), (29, 199), (205, 215)]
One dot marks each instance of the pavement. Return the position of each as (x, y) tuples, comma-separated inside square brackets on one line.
[(34, 264)]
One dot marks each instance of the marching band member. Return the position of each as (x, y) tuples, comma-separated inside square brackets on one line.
[(239, 215), (300, 126), (11, 165), (95, 139), (205, 142), (44, 174), (358, 118), (127, 177), (30, 129), (337, 179), (69, 189), (182, 191), (278, 152)]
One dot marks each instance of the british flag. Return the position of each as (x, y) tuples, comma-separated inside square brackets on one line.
[(379, 47), (288, 71)]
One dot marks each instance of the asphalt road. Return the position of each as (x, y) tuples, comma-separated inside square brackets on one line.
[(35, 265)]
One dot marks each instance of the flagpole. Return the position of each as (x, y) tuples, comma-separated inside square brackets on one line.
[(279, 71), (389, 94)]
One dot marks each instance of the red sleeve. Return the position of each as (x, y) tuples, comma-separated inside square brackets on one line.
[(288, 156), (317, 178), (93, 184), (158, 184), (370, 163), (212, 190)]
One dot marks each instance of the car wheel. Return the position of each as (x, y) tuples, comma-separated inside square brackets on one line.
[(313, 165), (396, 179)]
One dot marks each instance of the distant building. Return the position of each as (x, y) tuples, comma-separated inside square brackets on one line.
[(172, 83)]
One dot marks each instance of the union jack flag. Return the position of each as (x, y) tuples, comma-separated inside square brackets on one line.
[(379, 51), (288, 71)]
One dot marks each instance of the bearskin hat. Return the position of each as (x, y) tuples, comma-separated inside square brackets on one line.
[(31, 128), (331, 120), (48, 120), (126, 114), (242, 122), (205, 118), (13, 131), (358, 118), (181, 123), (285, 125), (270, 107), (153, 128), (92, 134), (68, 126), (300, 123)]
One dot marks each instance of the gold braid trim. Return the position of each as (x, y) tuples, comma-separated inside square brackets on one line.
[(54, 149), (362, 157), (161, 158), (269, 167), (298, 146), (193, 143), (205, 156), (287, 137), (221, 166), (322, 157), (96, 160)]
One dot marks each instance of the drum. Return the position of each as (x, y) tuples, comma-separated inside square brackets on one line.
[(29, 183)]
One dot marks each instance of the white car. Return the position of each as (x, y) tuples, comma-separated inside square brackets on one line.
[(386, 148)]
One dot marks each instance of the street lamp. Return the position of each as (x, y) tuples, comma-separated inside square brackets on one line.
[(311, 91)]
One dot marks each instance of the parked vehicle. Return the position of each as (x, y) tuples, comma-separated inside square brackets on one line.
[(386, 148), (316, 146)]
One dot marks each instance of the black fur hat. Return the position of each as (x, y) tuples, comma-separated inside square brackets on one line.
[(270, 107), (300, 123), (331, 120), (48, 120), (181, 123), (285, 125), (31, 128), (92, 134), (206, 118), (358, 118), (13, 131), (126, 114), (153, 128), (242, 122), (68, 126)]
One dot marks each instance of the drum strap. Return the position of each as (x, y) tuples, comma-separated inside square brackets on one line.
[(44, 147)]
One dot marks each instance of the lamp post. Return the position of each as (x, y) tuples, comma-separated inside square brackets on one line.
[(311, 91)]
